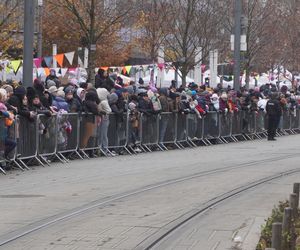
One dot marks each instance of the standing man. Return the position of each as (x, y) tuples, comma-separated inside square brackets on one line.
[(274, 112)]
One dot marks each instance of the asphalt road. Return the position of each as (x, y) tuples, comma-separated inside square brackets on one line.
[(125, 202)]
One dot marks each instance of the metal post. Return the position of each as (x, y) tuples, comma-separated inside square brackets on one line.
[(237, 44), (276, 235), (293, 204), (40, 31), (54, 53), (296, 189), (28, 43)]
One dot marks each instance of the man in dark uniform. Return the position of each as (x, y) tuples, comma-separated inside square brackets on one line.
[(274, 112)]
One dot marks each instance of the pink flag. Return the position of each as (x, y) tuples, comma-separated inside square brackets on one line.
[(37, 62)]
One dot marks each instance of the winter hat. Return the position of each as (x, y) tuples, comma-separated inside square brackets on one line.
[(8, 88), (214, 96), (79, 91), (92, 96), (102, 94), (163, 91), (132, 106), (60, 93), (50, 83), (3, 94), (20, 91), (53, 90), (69, 89), (112, 98), (31, 94), (130, 90), (74, 82)]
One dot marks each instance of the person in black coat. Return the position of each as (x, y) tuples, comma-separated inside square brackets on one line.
[(91, 117), (16, 101), (145, 105), (274, 112), (100, 78)]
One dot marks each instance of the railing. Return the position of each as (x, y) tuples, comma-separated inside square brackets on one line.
[(64, 136)]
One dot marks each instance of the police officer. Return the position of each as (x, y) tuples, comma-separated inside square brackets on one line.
[(274, 112)]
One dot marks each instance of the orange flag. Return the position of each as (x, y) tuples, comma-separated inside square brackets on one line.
[(47, 71), (105, 68), (60, 59)]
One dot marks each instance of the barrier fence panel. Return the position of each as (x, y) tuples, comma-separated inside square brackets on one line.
[(149, 130), (117, 131), (89, 139), (295, 119), (47, 137), (225, 120), (236, 129), (195, 127), (68, 134), (2, 143), (133, 129), (286, 121), (260, 123), (168, 128), (182, 136), (211, 125), (27, 143)]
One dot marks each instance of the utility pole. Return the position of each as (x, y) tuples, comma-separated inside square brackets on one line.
[(40, 29), (237, 44), (28, 43)]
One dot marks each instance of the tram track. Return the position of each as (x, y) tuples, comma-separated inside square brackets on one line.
[(75, 213)]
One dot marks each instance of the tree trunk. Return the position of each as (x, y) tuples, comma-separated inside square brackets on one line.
[(91, 66), (184, 74), (92, 42)]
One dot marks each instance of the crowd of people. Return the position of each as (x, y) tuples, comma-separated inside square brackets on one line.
[(111, 95)]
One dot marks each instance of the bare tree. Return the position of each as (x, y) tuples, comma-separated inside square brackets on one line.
[(96, 20), (194, 24)]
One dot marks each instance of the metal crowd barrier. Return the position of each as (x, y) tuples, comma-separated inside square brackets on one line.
[(195, 129), (47, 138), (63, 135), (68, 135), (28, 141), (89, 140), (149, 131), (117, 132), (225, 126), (2, 144), (168, 130)]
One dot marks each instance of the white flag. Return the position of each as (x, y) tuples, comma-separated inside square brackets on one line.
[(70, 57)]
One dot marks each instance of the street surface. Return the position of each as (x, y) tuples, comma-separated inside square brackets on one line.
[(116, 214)]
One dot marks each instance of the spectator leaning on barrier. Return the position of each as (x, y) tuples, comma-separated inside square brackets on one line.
[(91, 117), (19, 100), (105, 110), (59, 102), (9, 143)]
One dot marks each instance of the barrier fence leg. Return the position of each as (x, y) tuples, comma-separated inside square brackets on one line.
[(2, 170)]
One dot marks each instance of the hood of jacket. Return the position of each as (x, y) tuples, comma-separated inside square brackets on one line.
[(102, 94)]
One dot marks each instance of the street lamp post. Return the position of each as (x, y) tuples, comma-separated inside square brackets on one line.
[(237, 44), (29, 7), (40, 29)]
